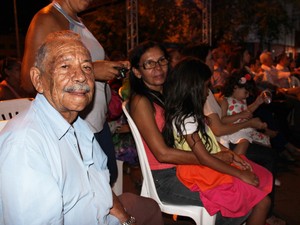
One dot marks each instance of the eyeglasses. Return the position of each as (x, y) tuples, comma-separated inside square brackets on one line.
[(150, 64)]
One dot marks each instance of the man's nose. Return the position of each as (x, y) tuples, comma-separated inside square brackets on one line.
[(79, 75)]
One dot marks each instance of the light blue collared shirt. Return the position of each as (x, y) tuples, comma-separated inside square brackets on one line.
[(43, 179)]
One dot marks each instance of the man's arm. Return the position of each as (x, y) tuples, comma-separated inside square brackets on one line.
[(29, 194), (118, 210)]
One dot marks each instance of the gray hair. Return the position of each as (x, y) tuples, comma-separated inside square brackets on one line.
[(53, 40)]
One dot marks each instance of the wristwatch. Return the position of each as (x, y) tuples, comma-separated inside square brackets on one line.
[(130, 221)]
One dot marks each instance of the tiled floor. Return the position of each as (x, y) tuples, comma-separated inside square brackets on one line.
[(287, 196)]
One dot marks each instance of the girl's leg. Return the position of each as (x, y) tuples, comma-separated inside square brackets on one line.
[(259, 213), (241, 147)]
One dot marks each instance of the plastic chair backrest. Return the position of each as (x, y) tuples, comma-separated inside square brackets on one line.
[(2, 124), (10, 108), (118, 185), (197, 213)]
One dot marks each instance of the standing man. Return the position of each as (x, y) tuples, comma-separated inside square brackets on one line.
[(52, 171)]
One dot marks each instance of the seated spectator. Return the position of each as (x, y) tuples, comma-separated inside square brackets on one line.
[(286, 77), (174, 52), (286, 99), (272, 76), (266, 112), (238, 59), (235, 91), (200, 51), (146, 106), (219, 73), (260, 154), (185, 93), (10, 73), (52, 169)]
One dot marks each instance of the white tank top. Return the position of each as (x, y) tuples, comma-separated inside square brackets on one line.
[(95, 113)]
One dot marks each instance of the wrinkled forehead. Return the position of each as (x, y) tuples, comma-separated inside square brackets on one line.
[(71, 47), (63, 51)]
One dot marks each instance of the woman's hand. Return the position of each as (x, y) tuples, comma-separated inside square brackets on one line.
[(247, 114), (249, 177), (106, 70), (231, 157), (225, 156), (240, 162), (257, 124)]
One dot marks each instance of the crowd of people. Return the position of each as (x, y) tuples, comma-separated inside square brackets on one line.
[(211, 137)]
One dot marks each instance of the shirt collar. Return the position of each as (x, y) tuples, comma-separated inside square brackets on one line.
[(56, 120)]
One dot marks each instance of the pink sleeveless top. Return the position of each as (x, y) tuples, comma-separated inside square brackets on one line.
[(160, 121)]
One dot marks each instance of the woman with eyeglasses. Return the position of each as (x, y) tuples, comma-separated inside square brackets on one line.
[(150, 67)]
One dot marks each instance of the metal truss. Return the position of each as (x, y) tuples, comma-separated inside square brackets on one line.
[(132, 24), (206, 22)]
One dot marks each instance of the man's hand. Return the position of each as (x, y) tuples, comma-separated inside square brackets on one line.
[(118, 210)]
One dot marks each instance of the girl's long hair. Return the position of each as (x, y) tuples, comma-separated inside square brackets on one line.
[(185, 97)]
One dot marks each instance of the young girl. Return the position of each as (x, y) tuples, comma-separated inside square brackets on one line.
[(235, 189), (235, 110)]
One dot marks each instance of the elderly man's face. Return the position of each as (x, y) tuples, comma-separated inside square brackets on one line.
[(68, 82)]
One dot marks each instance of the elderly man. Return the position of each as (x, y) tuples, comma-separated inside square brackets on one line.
[(51, 168)]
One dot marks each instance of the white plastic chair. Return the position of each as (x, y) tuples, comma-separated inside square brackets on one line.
[(10, 108), (2, 124), (197, 213), (118, 185)]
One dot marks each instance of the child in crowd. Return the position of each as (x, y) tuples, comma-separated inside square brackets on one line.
[(235, 110), (235, 187)]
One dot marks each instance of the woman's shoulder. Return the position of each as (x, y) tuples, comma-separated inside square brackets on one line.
[(49, 17), (139, 101), (142, 104)]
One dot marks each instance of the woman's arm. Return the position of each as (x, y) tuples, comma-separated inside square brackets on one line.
[(143, 115), (219, 128), (106, 70), (208, 160), (44, 22)]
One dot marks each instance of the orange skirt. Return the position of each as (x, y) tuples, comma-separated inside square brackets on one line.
[(221, 192)]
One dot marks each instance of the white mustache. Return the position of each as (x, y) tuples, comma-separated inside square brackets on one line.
[(78, 87)]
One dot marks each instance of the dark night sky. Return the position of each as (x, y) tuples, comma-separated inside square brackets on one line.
[(25, 10)]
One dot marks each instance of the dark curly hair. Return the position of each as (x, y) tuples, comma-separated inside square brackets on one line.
[(235, 80), (185, 97)]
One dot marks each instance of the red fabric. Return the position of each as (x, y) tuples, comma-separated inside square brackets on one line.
[(233, 198), (114, 106), (160, 122)]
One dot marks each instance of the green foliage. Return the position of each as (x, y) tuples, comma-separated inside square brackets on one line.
[(265, 19), (108, 24), (181, 21)]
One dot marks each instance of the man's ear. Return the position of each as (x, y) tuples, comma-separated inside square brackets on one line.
[(136, 72), (36, 79)]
